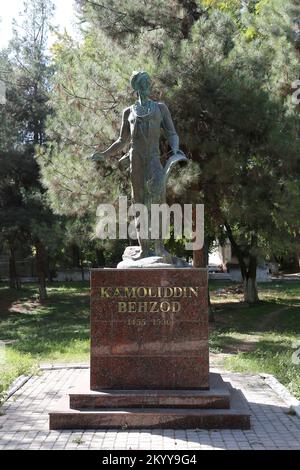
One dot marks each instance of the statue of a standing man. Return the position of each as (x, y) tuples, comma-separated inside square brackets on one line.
[(142, 124)]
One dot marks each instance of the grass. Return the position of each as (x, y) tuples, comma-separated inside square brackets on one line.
[(259, 339), (255, 339), (57, 331), (15, 364)]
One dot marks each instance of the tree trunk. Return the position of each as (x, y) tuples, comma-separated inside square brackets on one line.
[(14, 280), (82, 270), (75, 256), (41, 268), (248, 273), (200, 260), (49, 271), (100, 257), (237, 251), (211, 312), (250, 291), (250, 286)]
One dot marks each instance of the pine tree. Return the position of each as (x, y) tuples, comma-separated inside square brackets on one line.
[(226, 74), (22, 204)]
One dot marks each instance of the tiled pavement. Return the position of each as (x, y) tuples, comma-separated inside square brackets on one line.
[(25, 422)]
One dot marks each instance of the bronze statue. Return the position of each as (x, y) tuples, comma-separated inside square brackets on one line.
[(141, 125)]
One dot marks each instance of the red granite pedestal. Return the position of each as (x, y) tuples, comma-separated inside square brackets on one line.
[(149, 357)]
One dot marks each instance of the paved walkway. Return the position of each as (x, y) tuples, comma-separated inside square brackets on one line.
[(25, 422)]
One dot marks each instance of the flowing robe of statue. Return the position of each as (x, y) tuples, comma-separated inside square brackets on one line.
[(147, 173), (148, 176)]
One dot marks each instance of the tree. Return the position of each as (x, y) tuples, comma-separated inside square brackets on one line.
[(28, 56), (218, 66), (19, 172), (22, 129)]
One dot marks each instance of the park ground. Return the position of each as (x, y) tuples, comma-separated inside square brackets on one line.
[(259, 339)]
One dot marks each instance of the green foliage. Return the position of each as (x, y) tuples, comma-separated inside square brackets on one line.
[(31, 73), (261, 339), (226, 75), (26, 218), (85, 101), (16, 364), (57, 331)]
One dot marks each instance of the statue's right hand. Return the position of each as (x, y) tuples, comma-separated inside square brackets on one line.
[(97, 157)]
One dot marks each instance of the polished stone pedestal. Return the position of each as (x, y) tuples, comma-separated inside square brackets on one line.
[(150, 357), (149, 329), (219, 407)]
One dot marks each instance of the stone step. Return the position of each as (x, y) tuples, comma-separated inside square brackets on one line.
[(217, 397), (152, 399), (137, 418), (237, 417)]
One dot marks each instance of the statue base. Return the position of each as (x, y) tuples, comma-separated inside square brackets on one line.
[(220, 407), (150, 357), (131, 260)]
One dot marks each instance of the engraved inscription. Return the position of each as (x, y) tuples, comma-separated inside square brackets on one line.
[(144, 300), (148, 307), (144, 322), (153, 292)]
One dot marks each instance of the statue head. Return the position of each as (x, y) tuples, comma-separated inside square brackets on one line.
[(140, 82)]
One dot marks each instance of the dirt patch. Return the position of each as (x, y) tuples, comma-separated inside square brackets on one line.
[(229, 291), (217, 359), (268, 320), (249, 341), (27, 307)]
